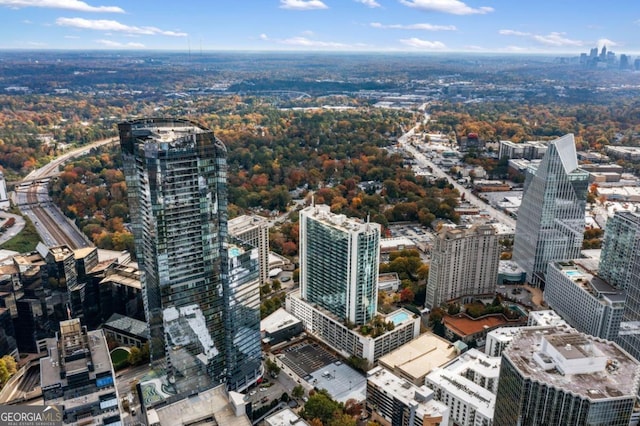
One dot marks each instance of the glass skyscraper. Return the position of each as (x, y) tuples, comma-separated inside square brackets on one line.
[(193, 289), (339, 259), (551, 218), (620, 266)]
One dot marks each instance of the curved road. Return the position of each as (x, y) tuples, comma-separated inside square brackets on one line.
[(33, 201)]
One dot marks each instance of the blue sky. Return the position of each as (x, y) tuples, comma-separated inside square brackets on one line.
[(507, 26)]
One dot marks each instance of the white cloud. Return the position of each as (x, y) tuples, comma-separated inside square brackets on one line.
[(111, 43), (454, 7), (551, 39), (110, 25), (264, 37), (606, 42), (513, 32), (424, 27), (306, 42), (556, 39), (302, 4), (61, 4), (423, 44), (369, 3)]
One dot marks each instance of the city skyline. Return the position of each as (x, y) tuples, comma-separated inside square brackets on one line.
[(423, 26)]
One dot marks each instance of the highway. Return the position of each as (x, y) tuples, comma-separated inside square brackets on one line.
[(32, 196), (424, 162)]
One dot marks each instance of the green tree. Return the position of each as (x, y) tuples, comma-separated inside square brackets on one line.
[(12, 365), (297, 391), (272, 367), (320, 406), (4, 372), (135, 356)]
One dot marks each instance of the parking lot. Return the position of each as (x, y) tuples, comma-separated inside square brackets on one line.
[(304, 358)]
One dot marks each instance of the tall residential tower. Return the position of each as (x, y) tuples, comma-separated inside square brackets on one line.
[(551, 218), (339, 260), (176, 178), (464, 263)]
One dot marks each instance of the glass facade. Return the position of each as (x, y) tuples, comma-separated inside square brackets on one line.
[(551, 219), (620, 266), (339, 261), (176, 179)]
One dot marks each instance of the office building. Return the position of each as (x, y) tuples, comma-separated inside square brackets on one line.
[(393, 401), (339, 260), (532, 150), (467, 385), (255, 231), (557, 377), (585, 301), (551, 218), (620, 266), (78, 376), (175, 172), (464, 265)]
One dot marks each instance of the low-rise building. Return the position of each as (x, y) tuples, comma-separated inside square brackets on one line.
[(417, 358), (468, 329), (126, 331), (279, 327), (392, 400), (467, 385)]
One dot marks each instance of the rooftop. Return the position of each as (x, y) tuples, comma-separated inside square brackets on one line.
[(463, 325), (418, 357), (582, 277), (285, 417), (81, 253), (130, 325), (322, 213), (584, 365), (278, 320), (212, 405), (245, 222), (408, 393)]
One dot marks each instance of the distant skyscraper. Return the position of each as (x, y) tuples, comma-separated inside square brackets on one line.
[(339, 260), (176, 179), (620, 266), (551, 217), (555, 376), (464, 263)]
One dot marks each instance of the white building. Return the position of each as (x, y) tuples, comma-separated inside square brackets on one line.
[(395, 401), (467, 385), (584, 300), (4, 199), (350, 341)]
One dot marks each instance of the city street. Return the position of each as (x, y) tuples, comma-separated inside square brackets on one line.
[(424, 162)]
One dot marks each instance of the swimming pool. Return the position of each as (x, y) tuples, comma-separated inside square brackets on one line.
[(234, 252), (572, 273), (399, 317)]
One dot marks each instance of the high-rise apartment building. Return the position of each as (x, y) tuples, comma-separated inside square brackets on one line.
[(339, 260), (551, 217), (255, 231), (464, 263), (584, 300), (620, 266), (175, 172), (551, 376)]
